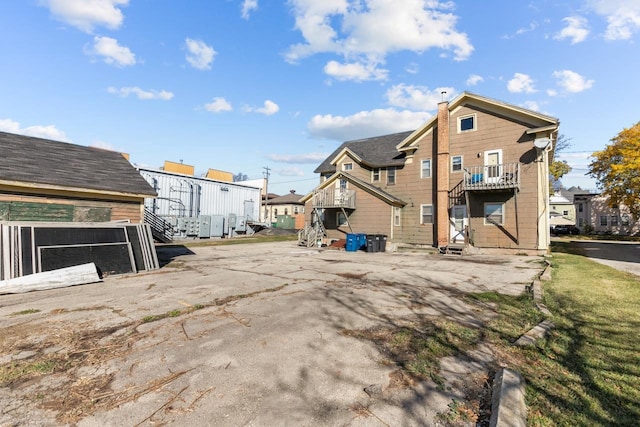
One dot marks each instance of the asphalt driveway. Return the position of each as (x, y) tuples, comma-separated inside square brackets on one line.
[(245, 334)]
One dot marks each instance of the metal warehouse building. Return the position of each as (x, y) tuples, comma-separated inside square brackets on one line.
[(203, 207)]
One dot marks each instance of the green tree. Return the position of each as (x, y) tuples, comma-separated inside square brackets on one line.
[(559, 168), (617, 169)]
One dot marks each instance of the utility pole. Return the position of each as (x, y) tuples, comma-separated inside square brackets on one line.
[(266, 193)]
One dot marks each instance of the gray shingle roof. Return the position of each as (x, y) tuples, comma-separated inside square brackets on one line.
[(42, 161), (287, 199), (377, 152)]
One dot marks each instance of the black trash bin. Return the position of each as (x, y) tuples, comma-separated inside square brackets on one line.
[(371, 243), (382, 242)]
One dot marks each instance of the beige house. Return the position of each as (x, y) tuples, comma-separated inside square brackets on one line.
[(475, 174), (289, 205), (595, 215)]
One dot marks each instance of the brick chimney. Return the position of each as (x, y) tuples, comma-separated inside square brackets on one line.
[(442, 179)]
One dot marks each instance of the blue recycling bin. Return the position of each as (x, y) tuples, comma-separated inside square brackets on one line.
[(353, 243), (362, 241)]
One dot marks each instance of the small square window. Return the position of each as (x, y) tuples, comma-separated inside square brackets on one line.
[(494, 213), (426, 214), (456, 163), (467, 123), (565, 213), (425, 170), (347, 166), (391, 176)]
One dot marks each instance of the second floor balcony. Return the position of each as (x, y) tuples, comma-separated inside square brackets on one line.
[(334, 198), (492, 177)]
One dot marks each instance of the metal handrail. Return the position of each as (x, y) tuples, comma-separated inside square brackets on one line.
[(492, 177)]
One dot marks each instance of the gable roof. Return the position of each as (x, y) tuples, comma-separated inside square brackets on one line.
[(287, 199), (39, 162), (372, 189), (376, 152), (537, 121)]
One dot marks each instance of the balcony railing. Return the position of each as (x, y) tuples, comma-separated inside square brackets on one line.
[(492, 177), (334, 198)]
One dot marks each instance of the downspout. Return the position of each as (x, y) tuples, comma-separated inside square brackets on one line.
[(442, 178)]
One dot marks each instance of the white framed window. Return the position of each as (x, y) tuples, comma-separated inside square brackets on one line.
[(375, 175), (426, 214), (456, 163), (467, 123), (396, 216), (347, 166), (341, 219), (425, 168), (391, 176), (493, 213), (614, 220), (625, 219), (295, 210), (343, 185), (604, 220)]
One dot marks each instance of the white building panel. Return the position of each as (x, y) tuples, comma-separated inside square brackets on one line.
[(184, 196)]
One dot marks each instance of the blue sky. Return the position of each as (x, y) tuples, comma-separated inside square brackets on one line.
[(240, 85)]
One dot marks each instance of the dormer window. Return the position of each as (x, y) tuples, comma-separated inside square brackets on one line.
[(467, 123)]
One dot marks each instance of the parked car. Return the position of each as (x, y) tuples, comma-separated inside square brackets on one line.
[(560, 230)]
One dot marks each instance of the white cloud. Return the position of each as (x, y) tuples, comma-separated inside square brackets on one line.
[(520, 31), (531, 105), (312, 158), (418, 97), (218, 105), (552, 92), (200, 55), (365, 124), (412, 68), (355, 71), (102, 145), (48, 132), (572, 82), (290, 171), (474, 79), (140, 93), (268, 109), (576, 30), (112, 53), (88, 14), (623, 17), (371, 29), (520, 83), (248, 6)]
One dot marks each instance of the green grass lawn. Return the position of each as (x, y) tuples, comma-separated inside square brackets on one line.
[(587, 373)]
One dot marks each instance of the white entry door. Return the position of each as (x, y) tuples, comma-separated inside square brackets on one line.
[(458, 222), (493, 165)]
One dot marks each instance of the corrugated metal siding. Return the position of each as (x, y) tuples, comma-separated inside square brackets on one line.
[(184, 196)]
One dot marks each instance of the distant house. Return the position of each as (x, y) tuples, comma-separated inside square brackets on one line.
[(476, 174), (596, 215), (561, 209), (44, 180), (289, 206)]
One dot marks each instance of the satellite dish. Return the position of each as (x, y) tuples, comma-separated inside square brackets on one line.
[(542, 143)]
